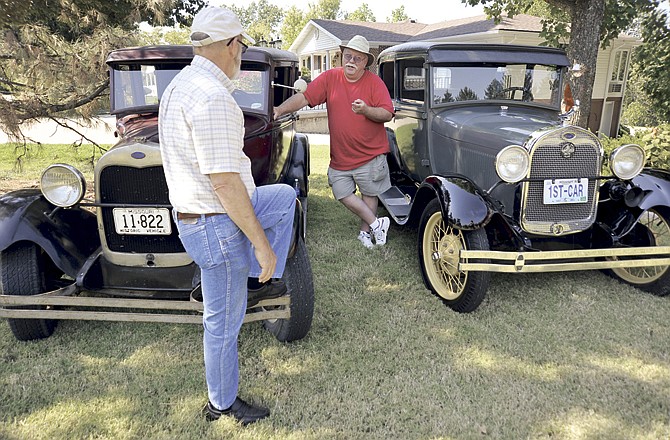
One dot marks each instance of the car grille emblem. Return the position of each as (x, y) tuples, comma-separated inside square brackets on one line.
[(567, 149), (558, 229)]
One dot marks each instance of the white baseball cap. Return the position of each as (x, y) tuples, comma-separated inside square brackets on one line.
[(218, 24)]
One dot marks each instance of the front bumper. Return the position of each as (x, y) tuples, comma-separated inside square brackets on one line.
[(559, 261), (98, 308)]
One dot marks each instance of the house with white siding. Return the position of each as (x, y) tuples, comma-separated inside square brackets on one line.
[(318, 47)]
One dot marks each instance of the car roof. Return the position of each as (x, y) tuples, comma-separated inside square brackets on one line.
[(184, 52), (477, 53)]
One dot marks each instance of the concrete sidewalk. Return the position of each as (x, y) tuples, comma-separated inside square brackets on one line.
[(102, 132), (49, 132)]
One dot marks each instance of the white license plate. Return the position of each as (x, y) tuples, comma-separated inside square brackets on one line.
[(560, 191), (142, 221)]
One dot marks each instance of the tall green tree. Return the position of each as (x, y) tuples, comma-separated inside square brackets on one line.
[(398, 15), (261, 19), (52, 55), (587, 24), (362, 13), (294, 21), (652, 64), (325, 9)]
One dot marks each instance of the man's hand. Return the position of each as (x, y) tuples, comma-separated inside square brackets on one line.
[(359, 106), (293, 104), (376, 114), (267, 260)]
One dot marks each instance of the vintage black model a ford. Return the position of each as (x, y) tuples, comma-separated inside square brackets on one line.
[(65, 257), (498, 181)]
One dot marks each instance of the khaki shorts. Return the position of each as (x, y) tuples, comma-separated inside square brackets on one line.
[(371, 178)]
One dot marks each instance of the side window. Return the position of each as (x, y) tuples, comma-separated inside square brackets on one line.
[(386, 72), (413, 81)]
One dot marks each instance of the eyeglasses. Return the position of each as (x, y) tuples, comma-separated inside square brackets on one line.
[(244, 46), (356, 59)]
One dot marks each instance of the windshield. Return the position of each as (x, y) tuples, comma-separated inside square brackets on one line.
[(136, 87), (513, 82)]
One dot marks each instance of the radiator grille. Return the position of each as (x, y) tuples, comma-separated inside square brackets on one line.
[(547, 162), (122, 185)]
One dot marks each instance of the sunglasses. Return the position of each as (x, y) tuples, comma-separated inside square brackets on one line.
[(244, 46), (355, 58)]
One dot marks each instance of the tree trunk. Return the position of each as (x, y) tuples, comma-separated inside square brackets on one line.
[(583, 50)]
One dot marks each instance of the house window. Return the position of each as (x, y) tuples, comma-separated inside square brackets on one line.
[(619, 69)]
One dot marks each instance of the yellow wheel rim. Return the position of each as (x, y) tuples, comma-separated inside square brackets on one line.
[(441, 250), (660, 230)]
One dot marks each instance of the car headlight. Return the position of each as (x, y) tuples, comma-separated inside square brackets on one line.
[(627, 161), (512, 163), (63, 185)]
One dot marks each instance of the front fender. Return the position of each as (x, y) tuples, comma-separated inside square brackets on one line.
[(656, 184), (68, 236), (463, 204), (298, 164), (298, 231)]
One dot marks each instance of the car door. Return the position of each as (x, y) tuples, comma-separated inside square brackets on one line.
[(409, 123)]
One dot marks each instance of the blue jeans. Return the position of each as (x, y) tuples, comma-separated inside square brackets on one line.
[(226, 259)]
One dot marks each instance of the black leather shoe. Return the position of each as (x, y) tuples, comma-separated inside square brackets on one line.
[(240, 410), (274, 289)]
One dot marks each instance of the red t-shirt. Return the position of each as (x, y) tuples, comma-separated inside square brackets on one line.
[(354, 139)]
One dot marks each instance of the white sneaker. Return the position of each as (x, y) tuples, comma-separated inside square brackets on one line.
[(381, 230), (366, 239)]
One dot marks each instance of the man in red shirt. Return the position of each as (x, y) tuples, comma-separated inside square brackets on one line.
[(358, 105)]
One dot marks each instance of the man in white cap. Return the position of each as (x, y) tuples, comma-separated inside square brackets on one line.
[(358, 105), (231, 229)]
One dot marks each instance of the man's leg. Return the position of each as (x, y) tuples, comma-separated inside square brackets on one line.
[(222, 252), (362, 208), (274, 206)]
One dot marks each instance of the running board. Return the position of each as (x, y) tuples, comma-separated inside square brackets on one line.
[(397, 203)]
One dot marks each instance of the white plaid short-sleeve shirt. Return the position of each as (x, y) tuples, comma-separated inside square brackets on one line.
[(201, 130)]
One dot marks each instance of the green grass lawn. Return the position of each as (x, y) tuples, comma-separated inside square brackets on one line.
[(559, 356)]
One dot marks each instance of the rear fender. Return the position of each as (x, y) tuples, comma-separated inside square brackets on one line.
[(69, 236), (463, 205)]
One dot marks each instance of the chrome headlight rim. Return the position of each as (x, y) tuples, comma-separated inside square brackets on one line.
[(623, 154), (502, 161), (74, 184)]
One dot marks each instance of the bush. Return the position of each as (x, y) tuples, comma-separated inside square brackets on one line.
[(655, 141)]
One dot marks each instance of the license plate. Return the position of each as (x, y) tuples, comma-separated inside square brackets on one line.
[(559, 191), (142, 221)]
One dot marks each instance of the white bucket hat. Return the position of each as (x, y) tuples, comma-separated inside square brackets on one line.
[(360, 44), (218, 24)]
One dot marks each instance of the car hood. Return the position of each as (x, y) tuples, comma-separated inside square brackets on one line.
[(135, 127), (493, 125)]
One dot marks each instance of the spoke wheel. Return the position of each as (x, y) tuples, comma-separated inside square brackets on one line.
[(652, 229), (439, 253)]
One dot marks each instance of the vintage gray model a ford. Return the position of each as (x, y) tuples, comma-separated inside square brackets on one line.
[(66, 257), (498, 181)]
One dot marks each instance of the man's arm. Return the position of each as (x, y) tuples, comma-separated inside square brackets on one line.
[(233, 196), (294, 103)]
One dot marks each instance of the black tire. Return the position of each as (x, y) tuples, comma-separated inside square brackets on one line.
[(652, 229), (298, 279), (439, 246), (22, 271)]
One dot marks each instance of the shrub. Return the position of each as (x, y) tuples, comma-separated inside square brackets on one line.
[(655, 141)]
